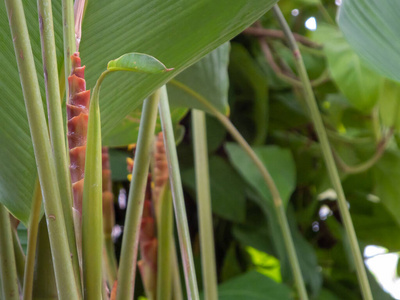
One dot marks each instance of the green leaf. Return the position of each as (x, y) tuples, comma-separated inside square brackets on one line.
[(253, 286), (178, 34), (227, 189), (389, 104), (387, 177), (207, 79), (279, 163), (355, 80), (137, 62), (371, 27), (250, 83)]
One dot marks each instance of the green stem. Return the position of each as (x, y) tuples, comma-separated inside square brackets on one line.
[(280, 211), (56, 126), (66, 283), (110, 261), (204, 205), (19, 257), (32, 238), (8, 270), (177, 194), (176, 277), (130, 241), (92, 215), (164, 233), (69, 38), (328, 157)]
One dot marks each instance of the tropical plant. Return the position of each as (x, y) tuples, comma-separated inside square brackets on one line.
[(276, 133)]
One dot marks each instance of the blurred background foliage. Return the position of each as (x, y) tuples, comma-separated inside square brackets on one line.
[(360, 114)]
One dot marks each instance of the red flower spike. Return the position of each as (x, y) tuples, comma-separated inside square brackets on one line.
[(77, 114)]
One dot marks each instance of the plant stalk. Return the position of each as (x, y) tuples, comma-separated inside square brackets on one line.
[(280, 211), (56, 127), (66, 283), (19, 257), (164, 234), (204, 205), (92, 214), (130, 241), (32, 239), (177, 194), (8, 269), (69, 38), (328, 156)]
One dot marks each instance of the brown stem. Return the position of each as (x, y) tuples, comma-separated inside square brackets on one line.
[(364, 166), (278, 34)]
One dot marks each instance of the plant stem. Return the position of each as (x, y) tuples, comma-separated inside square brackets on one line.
[(204, 205), (32, 238), (177, 194), (8, 270), (164, 234), (130, 241), (280, 211), (69, 37), (19, 257), (176, 277), (364, 166), (110, 261), (92, 215), (56, 127), (328, 157), (40, 138)]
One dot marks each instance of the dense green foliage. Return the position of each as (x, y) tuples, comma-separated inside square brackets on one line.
[(253, 80)]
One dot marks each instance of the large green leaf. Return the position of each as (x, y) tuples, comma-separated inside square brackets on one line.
[(253, 286), (279, 163), (354, 79), (207, 78), (177, 33), (372, 28)]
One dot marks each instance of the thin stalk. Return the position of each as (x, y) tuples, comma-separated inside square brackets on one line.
[(56, 127), (130, 240), (328, 157), (8, 270), (110, 261), (32, 238), (66, 283), (177, 194), (19, 257), (69, 38), (204, 205), (280, 211), (164, 233), (366, 165), (176, 276)]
